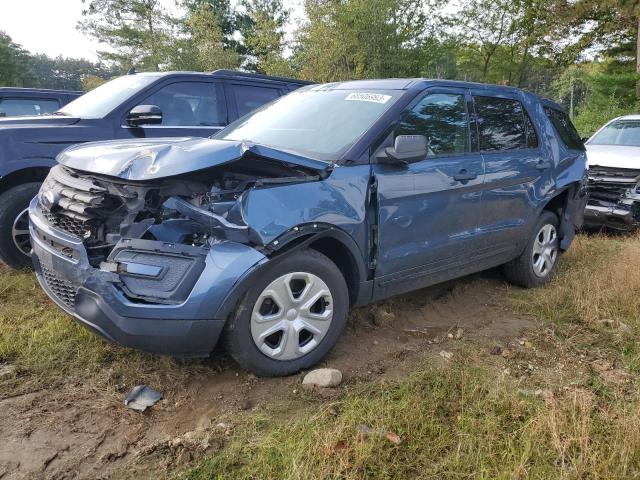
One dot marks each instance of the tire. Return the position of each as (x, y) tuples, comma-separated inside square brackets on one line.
[(527, 270), (13, 206), (268, 334)]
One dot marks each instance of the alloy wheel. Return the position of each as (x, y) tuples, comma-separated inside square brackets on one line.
[(545, 250), (291, 316), (20, 232)]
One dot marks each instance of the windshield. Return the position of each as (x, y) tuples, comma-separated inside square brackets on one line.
[(99, 102), (621, 132), (322, 124)]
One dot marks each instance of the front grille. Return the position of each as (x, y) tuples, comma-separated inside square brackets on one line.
[(63, 290), (74, 203), (70, 225), (610, 184)]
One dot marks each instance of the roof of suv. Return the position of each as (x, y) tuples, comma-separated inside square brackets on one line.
[(420, 83), (234, 74), (20, 90)]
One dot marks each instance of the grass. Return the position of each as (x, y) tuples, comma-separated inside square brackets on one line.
[(469, 420), (466, 419), (49, 349), (456, 423)]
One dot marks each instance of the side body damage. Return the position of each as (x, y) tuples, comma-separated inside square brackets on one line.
[(152, 261)]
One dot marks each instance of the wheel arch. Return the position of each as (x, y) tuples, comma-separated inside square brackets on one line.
[(566, 204), (334, 243), (24, 175)]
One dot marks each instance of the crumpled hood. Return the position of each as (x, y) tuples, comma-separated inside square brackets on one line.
[(613, 156), (39, 121), (150, 159)]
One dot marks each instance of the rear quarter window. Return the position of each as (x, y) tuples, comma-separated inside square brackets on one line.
[(565, 129)]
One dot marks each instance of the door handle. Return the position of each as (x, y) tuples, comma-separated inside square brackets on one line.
[(464, 176), (541, 165)]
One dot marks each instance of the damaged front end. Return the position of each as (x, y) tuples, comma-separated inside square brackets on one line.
[(614, 198), (151, 263)]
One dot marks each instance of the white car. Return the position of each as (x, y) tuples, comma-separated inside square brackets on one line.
[(613, 153)]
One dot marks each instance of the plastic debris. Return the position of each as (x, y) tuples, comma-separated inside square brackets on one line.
[(142, 397)]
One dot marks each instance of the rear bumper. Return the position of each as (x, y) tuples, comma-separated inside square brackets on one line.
[(100, 300)]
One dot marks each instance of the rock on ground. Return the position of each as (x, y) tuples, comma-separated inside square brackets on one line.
[(323, 377)]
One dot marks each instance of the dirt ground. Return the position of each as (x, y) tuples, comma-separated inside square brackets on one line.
[(81, 432)]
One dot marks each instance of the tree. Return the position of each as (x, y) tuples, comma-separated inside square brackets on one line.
[(14, 63), (362, 39), (204, 48), (263, 32), (138, 32)]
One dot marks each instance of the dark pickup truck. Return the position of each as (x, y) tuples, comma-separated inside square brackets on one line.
[(144, 105), (19, 102)]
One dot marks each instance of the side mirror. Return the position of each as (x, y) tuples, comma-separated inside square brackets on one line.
[(406, 149), (144, 115)]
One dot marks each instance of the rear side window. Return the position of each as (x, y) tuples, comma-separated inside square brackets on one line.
[(442, 118), (504, 125), (566, 131), (248, 97), (10, 107)]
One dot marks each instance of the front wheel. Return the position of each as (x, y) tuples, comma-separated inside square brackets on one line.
[(15, 246), (290, 317), (539, 261)]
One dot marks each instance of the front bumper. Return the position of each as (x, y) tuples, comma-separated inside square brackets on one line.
[(613, 216), (99, 300)]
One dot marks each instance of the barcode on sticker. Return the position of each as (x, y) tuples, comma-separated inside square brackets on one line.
[(368, 97)]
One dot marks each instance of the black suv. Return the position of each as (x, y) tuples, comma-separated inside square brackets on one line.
[(18, 102), (144, 105)]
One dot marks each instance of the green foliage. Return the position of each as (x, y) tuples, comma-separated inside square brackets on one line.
[(362, 39), (14, 64), (137, 32)]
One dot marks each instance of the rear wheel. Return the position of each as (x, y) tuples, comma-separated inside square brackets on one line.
[(539, 261), (291, 316), (15, 246)]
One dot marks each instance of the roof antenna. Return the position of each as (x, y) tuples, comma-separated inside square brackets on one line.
[(132, 71)]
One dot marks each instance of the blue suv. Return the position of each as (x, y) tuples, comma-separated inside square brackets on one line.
[(333, 196)]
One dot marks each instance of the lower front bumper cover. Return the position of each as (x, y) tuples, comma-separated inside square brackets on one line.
[(190, 328), (612, 216)]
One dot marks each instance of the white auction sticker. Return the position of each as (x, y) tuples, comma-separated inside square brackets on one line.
[(368, 97)]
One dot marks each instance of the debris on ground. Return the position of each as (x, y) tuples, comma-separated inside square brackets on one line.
[(458, 334), (142, 397), (412, 332), (381, 316), (7, 371), (366, 430), (323, 378), (496, 350), (446, 355)]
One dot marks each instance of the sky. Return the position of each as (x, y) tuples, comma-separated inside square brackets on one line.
[(49, 26)]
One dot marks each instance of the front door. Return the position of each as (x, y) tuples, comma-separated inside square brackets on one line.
[(189, 109), (429, 210)]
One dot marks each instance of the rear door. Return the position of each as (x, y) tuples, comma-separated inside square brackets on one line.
[(517, 172), (429, 210)]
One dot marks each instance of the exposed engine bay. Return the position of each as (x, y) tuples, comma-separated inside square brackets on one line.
[(614, 198), (193, 209)]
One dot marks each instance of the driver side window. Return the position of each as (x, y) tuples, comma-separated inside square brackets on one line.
[(443, 119), (190, 104)]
